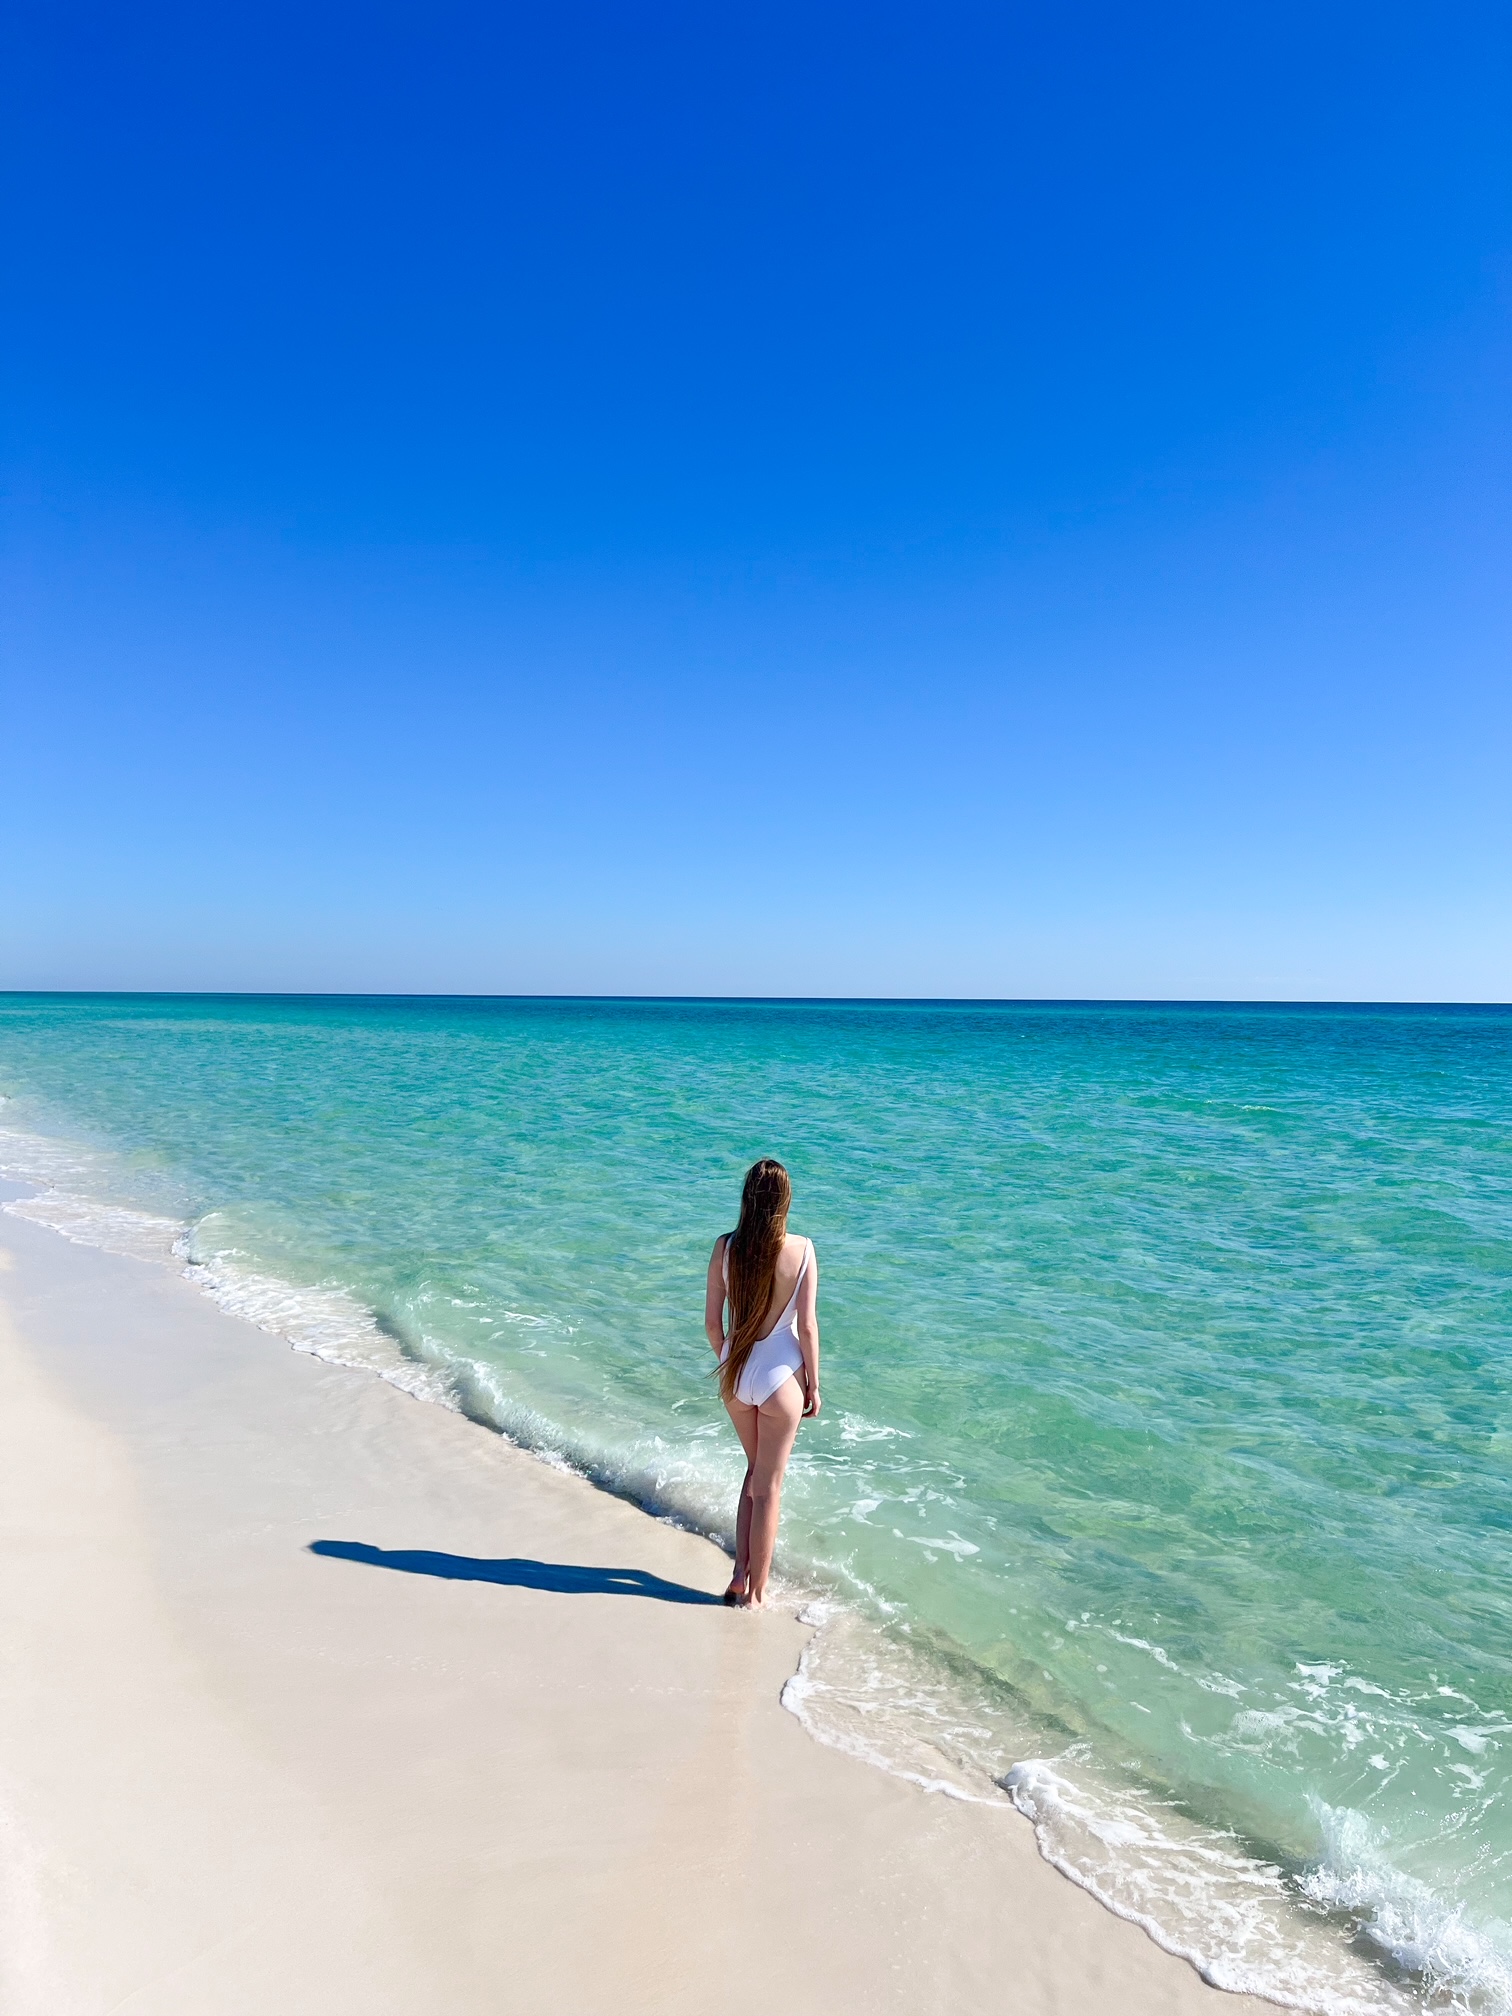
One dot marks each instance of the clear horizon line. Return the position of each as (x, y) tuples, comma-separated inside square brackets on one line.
[(731, 1000)]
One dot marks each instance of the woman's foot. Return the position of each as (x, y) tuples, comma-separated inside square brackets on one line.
[(738, 1595)]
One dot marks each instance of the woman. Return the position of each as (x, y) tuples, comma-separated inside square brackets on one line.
[(768, 1358)]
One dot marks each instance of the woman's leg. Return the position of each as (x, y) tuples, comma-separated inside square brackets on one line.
[(776, 1426), (744, 1419)]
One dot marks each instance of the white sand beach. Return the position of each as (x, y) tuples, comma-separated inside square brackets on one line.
[(486, 1752)]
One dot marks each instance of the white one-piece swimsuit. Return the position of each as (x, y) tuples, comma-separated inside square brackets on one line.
[(775, 1357)]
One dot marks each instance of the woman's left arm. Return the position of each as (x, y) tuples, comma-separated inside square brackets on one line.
[(808, 1331)]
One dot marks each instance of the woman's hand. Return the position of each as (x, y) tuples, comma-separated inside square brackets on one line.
[(811, 1403)]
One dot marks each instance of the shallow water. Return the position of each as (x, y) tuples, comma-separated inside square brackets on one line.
[(1164, 1471)]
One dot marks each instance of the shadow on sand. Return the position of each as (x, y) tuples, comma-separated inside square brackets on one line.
[(514, 1572)]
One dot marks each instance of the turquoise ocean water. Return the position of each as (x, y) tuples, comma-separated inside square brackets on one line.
[(1164, 1484)]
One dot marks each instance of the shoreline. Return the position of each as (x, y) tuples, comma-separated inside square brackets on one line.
[(236, 1768)]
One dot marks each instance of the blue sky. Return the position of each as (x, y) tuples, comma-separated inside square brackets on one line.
[(951, 500)]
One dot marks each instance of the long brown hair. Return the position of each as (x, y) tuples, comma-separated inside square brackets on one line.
[(751, 1254)]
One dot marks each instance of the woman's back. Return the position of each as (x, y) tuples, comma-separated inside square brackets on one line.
[(790, 1264)]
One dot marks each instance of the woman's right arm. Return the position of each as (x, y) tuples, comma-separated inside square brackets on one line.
[(714, 1297)]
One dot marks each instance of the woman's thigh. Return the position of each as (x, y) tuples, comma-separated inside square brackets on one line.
[(745, 1426), (776, 1427)]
